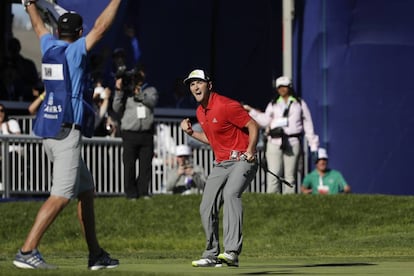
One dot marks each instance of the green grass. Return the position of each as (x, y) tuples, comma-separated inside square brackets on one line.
[(293, 234)]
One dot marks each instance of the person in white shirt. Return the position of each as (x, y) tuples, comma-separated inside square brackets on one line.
[(8, 126), (286, 119)]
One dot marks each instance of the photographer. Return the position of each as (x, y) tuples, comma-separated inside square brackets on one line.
[(134, 101), (185, 178)]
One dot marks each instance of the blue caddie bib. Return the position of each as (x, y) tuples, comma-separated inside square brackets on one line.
[(56, 107)]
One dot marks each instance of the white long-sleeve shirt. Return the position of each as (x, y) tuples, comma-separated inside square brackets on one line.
[(299, 120)]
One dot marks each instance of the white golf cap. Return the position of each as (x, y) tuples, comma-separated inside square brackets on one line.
[(196, 74), (322, 154), (183, 150), (283, 81)]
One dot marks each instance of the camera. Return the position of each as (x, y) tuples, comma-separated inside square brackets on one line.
[(120, 69), (187, 164), (130, 78)]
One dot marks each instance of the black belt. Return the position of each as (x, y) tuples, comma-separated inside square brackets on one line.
[(297, 135), (72, 126)]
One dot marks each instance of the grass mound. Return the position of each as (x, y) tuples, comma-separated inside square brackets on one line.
[(169, 226)]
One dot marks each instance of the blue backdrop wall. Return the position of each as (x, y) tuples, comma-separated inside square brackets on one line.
[(354, 68), (237, 41)]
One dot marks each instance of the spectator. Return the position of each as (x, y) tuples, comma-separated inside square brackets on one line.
[(112, 126), (285, 120), (164, 146), (20, 74), (134, 101), (106, 122), (185, 178), (61, 121), (323, 180), (101, 96), (8, 126), (232, 134)]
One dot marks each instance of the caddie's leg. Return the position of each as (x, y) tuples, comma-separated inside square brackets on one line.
[(86, 216), (86, 213), (45, 217), (65, 155)]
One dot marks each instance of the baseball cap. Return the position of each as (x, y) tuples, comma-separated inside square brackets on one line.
[(183, 150), (197, 74), (69, 23), (283, 81), (322, 154)]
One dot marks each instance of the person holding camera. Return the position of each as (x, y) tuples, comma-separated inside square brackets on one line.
[(286, 118), (185, 178), (134, 101)]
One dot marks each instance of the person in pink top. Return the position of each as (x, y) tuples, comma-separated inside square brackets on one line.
[(286, 119), (232, 135)]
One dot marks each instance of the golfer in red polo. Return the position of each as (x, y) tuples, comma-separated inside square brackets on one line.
[(232, 134)]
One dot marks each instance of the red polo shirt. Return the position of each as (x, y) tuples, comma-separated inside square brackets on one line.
[(223, 122)]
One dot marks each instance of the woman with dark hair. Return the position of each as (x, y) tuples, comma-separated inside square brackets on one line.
[(286, 119)]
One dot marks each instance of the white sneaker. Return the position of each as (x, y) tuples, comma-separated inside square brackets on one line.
[(230, 258), (207, 262), (34, 260)]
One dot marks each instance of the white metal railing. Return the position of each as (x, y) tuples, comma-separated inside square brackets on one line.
[(25, 168)]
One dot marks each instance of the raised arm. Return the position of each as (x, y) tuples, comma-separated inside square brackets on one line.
[(198, 135), (37, 21), (102, 24)]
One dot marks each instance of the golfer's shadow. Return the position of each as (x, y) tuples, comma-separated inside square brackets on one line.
[(267, 269)]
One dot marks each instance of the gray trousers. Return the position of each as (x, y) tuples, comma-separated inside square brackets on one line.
[(282, 163), (225, 186)]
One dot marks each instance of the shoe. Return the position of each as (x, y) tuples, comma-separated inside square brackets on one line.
[(33, 260), (102, 261), (207, 262), (230, 258)]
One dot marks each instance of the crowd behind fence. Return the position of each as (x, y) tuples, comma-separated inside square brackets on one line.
[(26, 170)]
